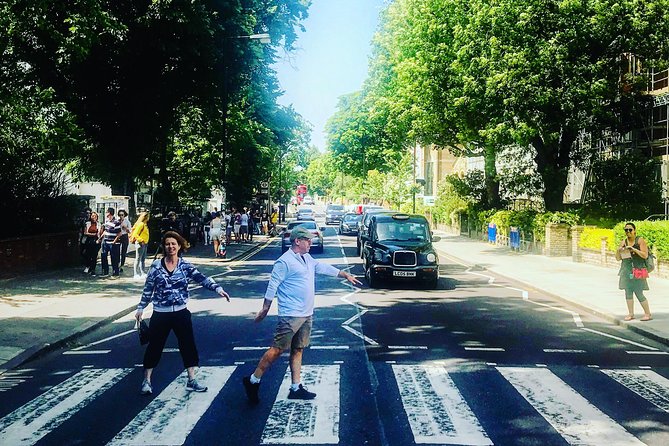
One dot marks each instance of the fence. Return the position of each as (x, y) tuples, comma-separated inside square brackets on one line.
[(38, 253)]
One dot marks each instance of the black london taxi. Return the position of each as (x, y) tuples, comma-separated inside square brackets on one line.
[(399, 247)]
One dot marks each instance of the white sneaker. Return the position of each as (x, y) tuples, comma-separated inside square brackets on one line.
[(136, 277), (86, 270), (146, 388)]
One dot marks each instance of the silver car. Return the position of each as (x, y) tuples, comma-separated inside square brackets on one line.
[(311, 226)]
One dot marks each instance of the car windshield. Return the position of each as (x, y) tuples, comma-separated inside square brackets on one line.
[(401, 232), (304, 224), (335, 207), (305, 211), (355, 217)]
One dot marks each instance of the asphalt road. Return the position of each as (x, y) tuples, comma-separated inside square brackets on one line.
[(478, 361)]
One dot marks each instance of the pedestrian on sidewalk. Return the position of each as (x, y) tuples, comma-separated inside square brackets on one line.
[(633, 252), (126, 229), (215, 233), (111, 245), (140, 237), (166, 288), (92, 243), (293, 282)]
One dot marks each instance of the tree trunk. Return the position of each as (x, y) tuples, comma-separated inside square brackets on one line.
[(553, 161), (491, 179)]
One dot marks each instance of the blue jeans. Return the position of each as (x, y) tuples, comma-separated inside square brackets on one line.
[(115, 250)]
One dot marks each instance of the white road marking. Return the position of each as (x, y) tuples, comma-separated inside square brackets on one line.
[(646, 383), (248, 348), (87, 352), (485, 349), (408, 347), (601, 333), (306, 421), (32, 421), (575, 419), (563, 350), (105, 340), (329, 347), (171, 416), (436, 410)]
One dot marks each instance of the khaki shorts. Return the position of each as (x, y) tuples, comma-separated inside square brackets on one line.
[(292, 332)]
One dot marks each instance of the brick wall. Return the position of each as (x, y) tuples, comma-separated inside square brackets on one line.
[(558, 240), (38, 253)]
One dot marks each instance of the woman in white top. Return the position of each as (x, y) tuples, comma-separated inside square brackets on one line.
[(215, 233)]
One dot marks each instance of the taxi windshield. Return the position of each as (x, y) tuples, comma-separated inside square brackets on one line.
[(402, 231)]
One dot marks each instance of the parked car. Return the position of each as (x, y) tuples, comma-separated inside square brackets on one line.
[(399, 247), (364, 223), (316, 242), (305, 213), (334, 213), (349, 223), (308, 200)]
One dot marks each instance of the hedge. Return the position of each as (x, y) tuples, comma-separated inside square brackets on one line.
[(591, 238), (656, 234)]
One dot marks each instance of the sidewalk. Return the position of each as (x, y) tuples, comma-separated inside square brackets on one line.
[(591, 288), (41, 312)]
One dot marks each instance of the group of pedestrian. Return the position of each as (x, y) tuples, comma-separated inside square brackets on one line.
[(111, 239), (292, 282)]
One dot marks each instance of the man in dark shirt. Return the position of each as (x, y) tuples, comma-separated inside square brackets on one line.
[(111, 243)]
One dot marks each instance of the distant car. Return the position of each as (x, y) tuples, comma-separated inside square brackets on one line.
[(316, 242), (308, 200), (334, 213), (305, 213), (349, 223), (399, 247)]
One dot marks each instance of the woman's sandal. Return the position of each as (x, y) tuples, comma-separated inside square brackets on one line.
[(629, 318), (646, 318)]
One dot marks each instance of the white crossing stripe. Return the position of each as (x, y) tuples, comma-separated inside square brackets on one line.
[(171, 416), (32, 421), (306, 421), (436, 410), (578, 421), (646, 383)]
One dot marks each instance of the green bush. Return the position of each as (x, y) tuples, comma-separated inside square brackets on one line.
[(656, 234), (592, 238), (448, 205), (542, 219)]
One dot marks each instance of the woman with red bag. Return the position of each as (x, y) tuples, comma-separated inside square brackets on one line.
[(633, 252)]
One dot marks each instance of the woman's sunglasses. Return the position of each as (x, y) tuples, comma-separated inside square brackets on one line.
[(629, 229)]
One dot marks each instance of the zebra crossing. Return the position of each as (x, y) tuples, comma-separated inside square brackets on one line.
[(434, 406)]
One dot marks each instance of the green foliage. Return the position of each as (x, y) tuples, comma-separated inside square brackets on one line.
[(542, 219), (591, 238), (656, 234), (625, 187), (449, 204)]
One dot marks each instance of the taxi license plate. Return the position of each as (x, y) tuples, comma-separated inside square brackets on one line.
[(404, 273)]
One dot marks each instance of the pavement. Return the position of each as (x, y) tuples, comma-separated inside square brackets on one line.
[(42, 312)]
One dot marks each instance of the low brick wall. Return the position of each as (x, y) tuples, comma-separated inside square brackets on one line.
[(38, 253)]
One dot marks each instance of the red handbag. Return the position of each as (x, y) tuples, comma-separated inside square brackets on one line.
[(640, 273)]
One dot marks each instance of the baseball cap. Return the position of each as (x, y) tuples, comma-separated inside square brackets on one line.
[(300, 232)]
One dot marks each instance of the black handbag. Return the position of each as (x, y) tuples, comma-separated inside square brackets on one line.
[(143, 330)]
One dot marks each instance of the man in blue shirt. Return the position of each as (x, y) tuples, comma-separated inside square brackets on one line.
[(293, 282)]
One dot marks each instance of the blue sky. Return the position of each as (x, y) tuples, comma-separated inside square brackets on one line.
[(330, 60)]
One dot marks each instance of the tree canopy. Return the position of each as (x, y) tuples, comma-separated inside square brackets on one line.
[(477, 76), (176, 85)]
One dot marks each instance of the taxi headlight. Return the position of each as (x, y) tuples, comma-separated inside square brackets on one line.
[(431, 257)]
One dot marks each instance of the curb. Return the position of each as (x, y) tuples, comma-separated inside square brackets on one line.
[(38, 351), (606, 316)]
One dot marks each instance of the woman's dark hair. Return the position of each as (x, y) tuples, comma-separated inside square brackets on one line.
[(631, 224), (183, 243)]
